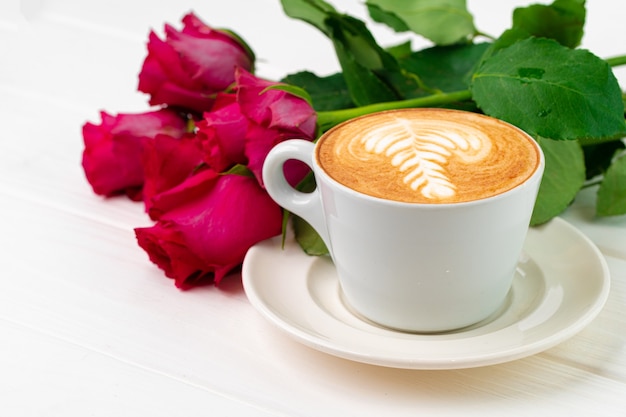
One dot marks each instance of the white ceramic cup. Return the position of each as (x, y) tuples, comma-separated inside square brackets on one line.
[(410, 266)]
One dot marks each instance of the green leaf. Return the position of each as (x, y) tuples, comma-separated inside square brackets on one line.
[(506, 39), (243, 44), (390, 19), (307, 238), (599, 157), (612, 192), (400, 51), (562, 21), (551, 91), (367, 68), (444, 22), (239, 169), (314, 12), (370, 72), (563, 177), (445, 68), (365, 86), (291, 89), (327, 93), (354, 37)]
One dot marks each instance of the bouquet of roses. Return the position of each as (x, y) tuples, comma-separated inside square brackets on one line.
[(195, 158), (196, 161)]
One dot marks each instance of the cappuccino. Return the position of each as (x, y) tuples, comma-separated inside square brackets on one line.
[(428, 155), (405, 265)]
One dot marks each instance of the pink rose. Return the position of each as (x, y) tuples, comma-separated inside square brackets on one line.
[(208, 220), (277, 116), (207, 214), (261, 141), (222, 133), (209, 223), (190, 67), (242, 128), (168, 162), (275, 109), (112, 157)]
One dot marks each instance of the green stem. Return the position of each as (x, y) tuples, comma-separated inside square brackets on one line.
[(328, 119), (484, 35), (592, 183), (616, 61)]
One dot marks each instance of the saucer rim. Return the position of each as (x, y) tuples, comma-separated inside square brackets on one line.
[(308, 336)]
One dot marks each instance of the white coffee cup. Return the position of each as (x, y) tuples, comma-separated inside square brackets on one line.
[(416, 267)]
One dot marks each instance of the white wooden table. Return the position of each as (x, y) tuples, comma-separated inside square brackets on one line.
[(89, 327)]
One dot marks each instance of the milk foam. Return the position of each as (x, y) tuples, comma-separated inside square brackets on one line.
[(420, 149), (428, 155)]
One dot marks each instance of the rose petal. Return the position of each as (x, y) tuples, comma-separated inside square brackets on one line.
[(209, 233)]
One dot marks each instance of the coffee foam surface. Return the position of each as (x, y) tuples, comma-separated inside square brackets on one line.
[(428, 155)]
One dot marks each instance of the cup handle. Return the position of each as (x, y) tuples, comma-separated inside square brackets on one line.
[(306, 205)]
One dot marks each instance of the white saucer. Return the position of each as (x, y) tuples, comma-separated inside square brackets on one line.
[(560, 286)]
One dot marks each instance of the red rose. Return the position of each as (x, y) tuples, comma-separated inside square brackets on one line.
[(274, 109), (112, 158), (203, 189), (210, 222), (222, 133), (242, 128), (191, 66), (168, 162), (258, 144), (277, 116)]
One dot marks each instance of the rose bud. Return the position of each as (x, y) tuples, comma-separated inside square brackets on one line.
[(222, 133), (275, 116), (209, 223), (244, 126), (168, 162), (189, 67), (112, 157)]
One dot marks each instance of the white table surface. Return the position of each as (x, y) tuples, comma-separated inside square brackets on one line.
[(89, 327)]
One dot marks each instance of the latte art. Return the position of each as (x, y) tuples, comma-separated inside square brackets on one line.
[(428, 155), (421, 149)]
